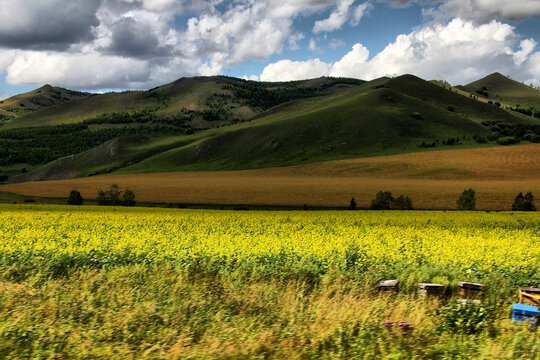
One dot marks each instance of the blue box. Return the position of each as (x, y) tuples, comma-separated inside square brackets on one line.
[(521, 312)]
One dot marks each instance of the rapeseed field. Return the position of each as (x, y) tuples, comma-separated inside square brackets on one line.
[(117, 283)]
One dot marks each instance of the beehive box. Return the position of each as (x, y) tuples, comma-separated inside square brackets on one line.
[(470, 290), (388, 286), (426, 289), (522, 312)]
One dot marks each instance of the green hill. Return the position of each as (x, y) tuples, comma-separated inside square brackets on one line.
[(220, 123), (498, 87), (199, 102), (30, 102)]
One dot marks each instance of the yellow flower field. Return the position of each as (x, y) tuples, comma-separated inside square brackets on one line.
[(462, 241)]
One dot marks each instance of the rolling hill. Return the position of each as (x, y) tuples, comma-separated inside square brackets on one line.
[(222, 123), (498, 87), (30, 102)]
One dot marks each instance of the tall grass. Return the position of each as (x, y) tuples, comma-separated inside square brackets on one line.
[(146, 311)]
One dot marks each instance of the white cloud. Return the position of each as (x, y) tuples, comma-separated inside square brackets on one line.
[(4, 95), (477, 10), (532, 65), (353, 64), (459, 52), (359, 12), (294, 39), (527, 47), (252, 77), (76, 71), (336, 19), (132, 43), (487, 10), (286, 70), (313, 46), (335, 43), (342, 13)]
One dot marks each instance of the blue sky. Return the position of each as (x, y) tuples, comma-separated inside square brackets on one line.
[(102, 45)]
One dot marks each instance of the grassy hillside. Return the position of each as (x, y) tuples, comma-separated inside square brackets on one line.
[(200, 102), (383, 117), (498, 87), (222, 123), (30, 102)]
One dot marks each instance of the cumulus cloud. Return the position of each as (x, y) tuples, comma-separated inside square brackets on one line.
[(294, 39), (77, 71), (252, 77), (342, 13), (95, 44), (459, 51), (46, 24), (287, 70), (477, 10), (336, 19), (487, 10), (527, 46)]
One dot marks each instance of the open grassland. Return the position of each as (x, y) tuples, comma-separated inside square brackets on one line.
[(90, 283), (433, 179)]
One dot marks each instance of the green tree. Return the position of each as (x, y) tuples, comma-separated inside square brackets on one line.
[(467, 200), (111, 196), (352, 205), (75, 198), (102, 198), (524, 203), (383, 201), (402, 203), (128, 198)]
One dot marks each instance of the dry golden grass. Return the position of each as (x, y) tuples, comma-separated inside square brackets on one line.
[(433, 179)]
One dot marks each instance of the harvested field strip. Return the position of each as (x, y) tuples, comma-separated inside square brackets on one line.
[(497, 175)]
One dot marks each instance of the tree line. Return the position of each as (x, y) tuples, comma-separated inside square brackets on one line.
[(466, 201)]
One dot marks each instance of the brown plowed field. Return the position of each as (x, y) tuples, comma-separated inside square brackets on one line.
[(433, 179)]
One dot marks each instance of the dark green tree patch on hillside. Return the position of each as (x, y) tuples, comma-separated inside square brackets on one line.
[(40, 145)]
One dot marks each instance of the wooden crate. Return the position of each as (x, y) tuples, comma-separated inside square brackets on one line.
[(529, 296), (426, 289), (388, 286), (470, 290)]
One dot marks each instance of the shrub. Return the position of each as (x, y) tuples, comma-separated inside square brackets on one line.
[(113, 197), (75, 198), (451, 108), (467, 200), (417, 115), (352, 205), (383, 201), (464, 318), (532, 138), (507, 140), (128, 198), (524, 203), (402, 203), (480, 139)]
